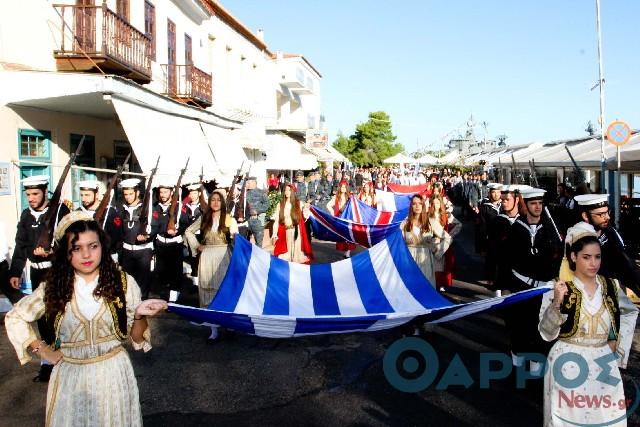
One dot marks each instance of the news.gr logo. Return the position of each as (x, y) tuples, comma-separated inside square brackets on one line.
[(411, 365)]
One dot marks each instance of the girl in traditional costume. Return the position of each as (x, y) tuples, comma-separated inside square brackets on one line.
[(217, 230), (337, 205), (91, 308), (367, 194), (289, 233), (593, 322), (423, 246), (439, 221)]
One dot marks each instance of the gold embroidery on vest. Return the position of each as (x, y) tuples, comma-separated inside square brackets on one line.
[(575, 299), (608, 301)]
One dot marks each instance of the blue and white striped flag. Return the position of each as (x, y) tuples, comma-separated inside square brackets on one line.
[(377, 289), (336, 229), (393, 202), (358, 211)]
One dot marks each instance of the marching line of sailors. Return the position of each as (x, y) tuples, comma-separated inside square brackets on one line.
[(525, 250)]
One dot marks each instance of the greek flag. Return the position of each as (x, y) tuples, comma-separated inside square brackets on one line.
[(336, 229), (358, 211), (380, 288), (392, 202)]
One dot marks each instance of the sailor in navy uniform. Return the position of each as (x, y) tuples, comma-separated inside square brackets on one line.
[(489, 209), (534, 256), (29, 229), (168, 243), (137, 244), (498, 228), (616, 262), (192, 211), (112, 223)]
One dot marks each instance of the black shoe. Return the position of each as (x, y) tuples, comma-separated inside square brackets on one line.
[(44, 374)]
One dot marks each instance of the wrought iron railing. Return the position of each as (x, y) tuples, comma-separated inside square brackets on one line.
[(98, 31), (187, 82)]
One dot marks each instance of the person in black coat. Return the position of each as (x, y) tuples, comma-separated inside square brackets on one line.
[(616, 262), (30, 227)]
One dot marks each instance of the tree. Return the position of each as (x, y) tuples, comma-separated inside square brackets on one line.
[(372, 142)]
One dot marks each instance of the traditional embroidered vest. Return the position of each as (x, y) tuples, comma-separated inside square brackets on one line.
[(573, 302), (117, 307)]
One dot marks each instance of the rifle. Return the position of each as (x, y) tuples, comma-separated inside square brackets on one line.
[(578, 170), (513, 166), (49, 217), (203, 199), (174, 199), (533, 178), (232, 190), (546, 210), (101, 213), (146, 201), (240, 213)]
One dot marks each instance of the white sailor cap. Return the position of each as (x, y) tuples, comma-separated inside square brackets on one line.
[(532, 193), (35, 181), (129, 183), (494, 186), (89, 184), (592, 201), (163, 182), (512, 188), (194, 186)]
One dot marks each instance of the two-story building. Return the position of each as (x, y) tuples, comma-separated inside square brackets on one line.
[(175, 79)]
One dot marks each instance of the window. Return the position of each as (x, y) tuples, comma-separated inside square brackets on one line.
[(34, 145), (188, 50), (150, 26), (122, 9)]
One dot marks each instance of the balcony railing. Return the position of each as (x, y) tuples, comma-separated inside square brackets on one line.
[(187, 83), (95, 35)]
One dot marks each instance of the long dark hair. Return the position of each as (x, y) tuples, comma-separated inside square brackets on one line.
[(295, 206), (207, 217), (423, 218), (60, 279)]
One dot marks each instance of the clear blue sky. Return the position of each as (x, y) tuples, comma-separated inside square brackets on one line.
[(525, 67)]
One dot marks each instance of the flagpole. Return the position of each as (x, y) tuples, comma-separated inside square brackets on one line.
[(601, 87)]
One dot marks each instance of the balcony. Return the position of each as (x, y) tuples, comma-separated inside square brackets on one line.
[(94, 38), (188, 84)]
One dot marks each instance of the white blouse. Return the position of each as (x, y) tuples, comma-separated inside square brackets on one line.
[(87, 303)]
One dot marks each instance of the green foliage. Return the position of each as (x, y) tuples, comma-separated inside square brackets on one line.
[(372, 142), (274, 198)]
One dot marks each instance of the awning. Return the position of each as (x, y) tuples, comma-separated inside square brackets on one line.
[(285, 153), (227, 152), (251, 136), (152, 133)]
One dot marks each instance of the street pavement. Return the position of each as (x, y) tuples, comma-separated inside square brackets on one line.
[(311, 381)]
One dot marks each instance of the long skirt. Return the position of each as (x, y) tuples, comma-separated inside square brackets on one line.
[(102, 393), (294, 248), (214, 261), (598, 402), (423, 256)]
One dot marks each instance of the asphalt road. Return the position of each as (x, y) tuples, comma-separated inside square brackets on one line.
[(320, 380)]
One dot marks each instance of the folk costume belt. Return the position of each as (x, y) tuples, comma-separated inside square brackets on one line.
[(131, 247), (529, 281), (101, 358), (175, 239)]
